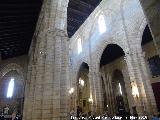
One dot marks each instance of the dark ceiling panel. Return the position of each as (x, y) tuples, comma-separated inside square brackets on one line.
[(17, 24)]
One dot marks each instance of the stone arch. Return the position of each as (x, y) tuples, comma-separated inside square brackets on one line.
[(12, 67), (79, 67), (16, 71), (140, 32), (102, 47), (118, 76), (83, 76)]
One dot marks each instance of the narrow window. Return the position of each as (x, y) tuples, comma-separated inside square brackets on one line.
[(10, 88), (102, 24), (120, 89), (79, 46)]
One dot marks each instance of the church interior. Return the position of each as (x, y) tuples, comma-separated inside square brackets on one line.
[(79, 59)]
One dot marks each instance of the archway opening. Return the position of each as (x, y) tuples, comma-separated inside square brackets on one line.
[(112, 64), (111, 53), (83, 89), (153, 63), (11, 94), (120, 92)]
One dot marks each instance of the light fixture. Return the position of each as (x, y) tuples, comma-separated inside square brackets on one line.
[(135, 91), (71, 90), (90, 100), (81, 82)]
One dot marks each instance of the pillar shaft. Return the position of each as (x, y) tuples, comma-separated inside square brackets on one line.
[(136, 72), (47, 96)]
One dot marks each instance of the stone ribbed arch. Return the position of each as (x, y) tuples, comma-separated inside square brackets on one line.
[(11, 67), (140, 33)]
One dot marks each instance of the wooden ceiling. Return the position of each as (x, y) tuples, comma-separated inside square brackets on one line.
[(18, 21), (17, 24)]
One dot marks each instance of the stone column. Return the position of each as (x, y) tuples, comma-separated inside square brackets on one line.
[(136, 73), (47, 96), (92, 89), (98, 90), (95, 83), (133, 71), (152, 12), (146, 80), (110, 97)]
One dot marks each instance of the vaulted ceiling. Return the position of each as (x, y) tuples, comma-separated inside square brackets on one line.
[(18, 21)]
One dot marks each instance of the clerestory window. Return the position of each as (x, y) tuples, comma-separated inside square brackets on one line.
[(10, 88), (102, 24)]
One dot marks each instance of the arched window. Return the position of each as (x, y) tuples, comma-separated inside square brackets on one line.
[(10, 88), (79, 46), (120, 88), (102, 24)]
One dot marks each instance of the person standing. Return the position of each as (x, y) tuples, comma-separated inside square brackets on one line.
[(6, 110), (72, 114), (155, 117), (14, 116)]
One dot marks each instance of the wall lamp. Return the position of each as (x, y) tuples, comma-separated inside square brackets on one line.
[(71, 90), (90, 100), (135, 91)]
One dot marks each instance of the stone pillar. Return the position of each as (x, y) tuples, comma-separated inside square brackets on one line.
[(92, 90), (146, 80), (95, 83), (136, 73), (47, 95), (31, 78), (98, 90), (152, 12), (132, 69), (110, 97)]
